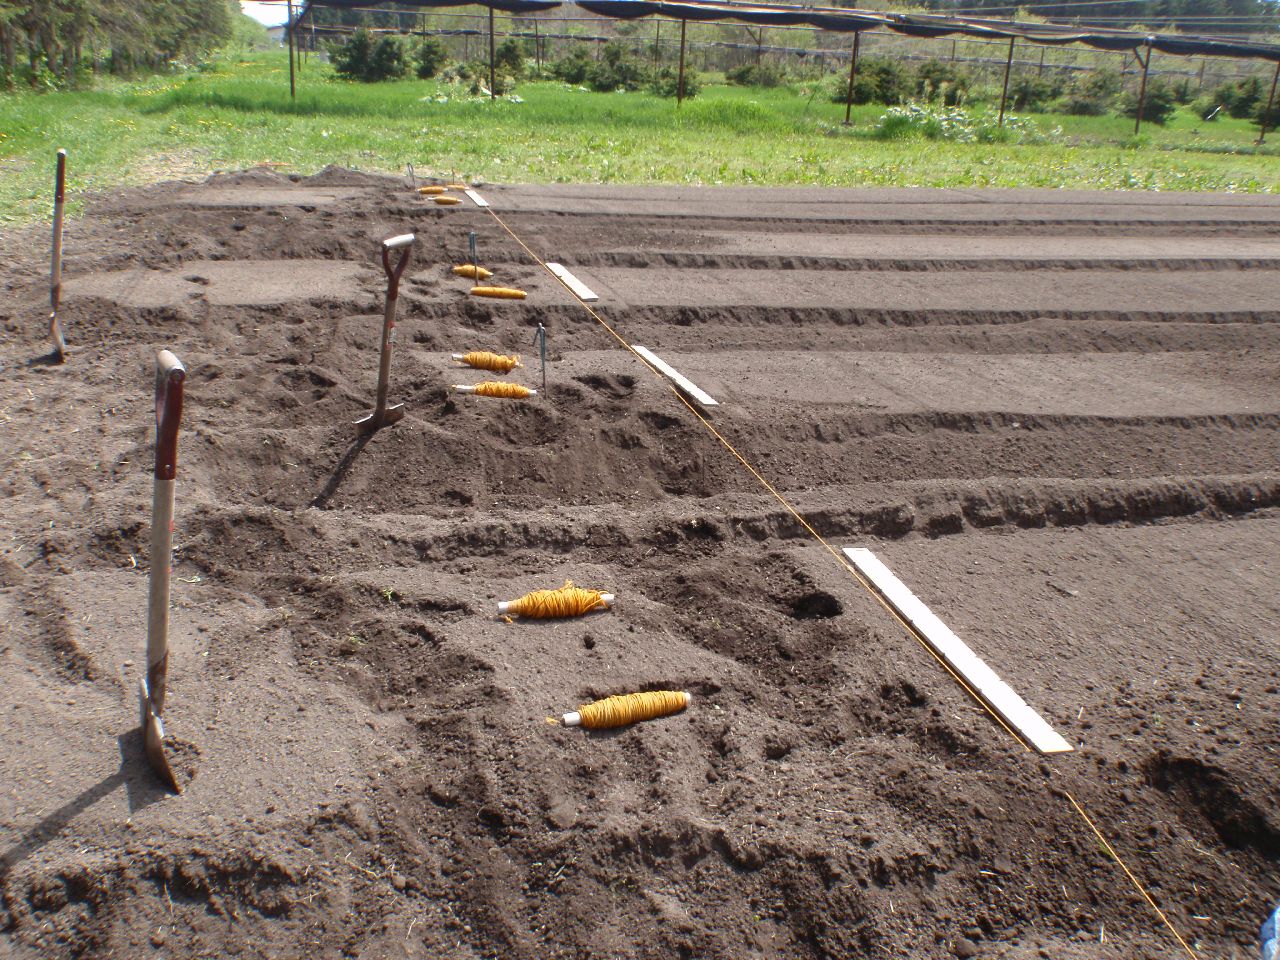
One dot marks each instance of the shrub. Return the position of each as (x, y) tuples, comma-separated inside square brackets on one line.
[(617, 70), (1208, 109), (756, 75), (510, 56), (1240, 99), (1159, 106), (1090, 94), (574, 67), (429, 58), (361, 58), (1033, 93), (1272, 117), (936, 80), (666, 81), (879, 80)]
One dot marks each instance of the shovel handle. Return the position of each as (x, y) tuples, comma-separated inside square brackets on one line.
[(403, 243), (170, 374), (60, 181)]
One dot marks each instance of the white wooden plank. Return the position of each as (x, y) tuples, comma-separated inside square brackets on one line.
[(478, 200), (980, 677), (674, 375), (583, 292)]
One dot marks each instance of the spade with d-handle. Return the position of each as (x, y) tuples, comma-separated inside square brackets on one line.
[(170, 374), (383, 415)]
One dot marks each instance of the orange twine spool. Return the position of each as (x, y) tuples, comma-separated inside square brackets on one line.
[(503, 391), (497, 362), (568, 601), (627, 708), (499, 293)]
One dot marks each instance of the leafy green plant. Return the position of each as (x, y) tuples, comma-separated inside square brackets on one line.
[(926, 122)]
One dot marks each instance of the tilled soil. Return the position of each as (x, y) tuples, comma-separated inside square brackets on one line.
[(1053, 414)]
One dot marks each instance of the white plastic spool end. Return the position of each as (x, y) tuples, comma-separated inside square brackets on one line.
[(572, 719)]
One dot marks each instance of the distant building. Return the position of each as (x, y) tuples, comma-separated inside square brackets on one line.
[(277, 33)]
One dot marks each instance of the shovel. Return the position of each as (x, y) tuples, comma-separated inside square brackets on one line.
[(383, 415), (170, 374), (55, 271)]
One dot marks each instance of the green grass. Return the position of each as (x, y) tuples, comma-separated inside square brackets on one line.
[(237, 113)]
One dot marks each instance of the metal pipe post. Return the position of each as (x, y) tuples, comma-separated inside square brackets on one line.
[(680, 79), (1142, 90), (853, 75), (492, 83), (293, 87), (1004, 91), (1271, 101)]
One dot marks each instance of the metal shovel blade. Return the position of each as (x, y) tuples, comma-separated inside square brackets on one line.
[(371, 422), (153, 739)]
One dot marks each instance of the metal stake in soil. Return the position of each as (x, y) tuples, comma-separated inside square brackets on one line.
[(170, 374), (475, 262), (383, 415), (55, 270), (540, 339)]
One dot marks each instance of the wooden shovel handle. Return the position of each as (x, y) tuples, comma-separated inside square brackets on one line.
[(170, 374), (404, 244), (60, 181)]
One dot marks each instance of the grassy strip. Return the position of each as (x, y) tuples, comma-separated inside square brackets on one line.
[(237, 113)]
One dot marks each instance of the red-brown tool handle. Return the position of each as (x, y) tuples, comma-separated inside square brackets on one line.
[(403, 243), (170, 374)]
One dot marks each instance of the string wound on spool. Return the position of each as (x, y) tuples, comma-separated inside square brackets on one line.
[(497, 388), (484, 360), (627, 708), (567, 601)]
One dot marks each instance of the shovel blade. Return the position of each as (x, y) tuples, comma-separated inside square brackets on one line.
[(153, 741), (371, 422)]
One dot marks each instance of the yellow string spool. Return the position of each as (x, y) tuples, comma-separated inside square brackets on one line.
[(472, 271), (484, 360), (431, 190), (446, 201), (568, 601), (497, 389), (456, 186), (501, 293), (627, 708)]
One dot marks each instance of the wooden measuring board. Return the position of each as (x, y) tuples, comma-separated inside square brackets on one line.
[(674, 375), (580, 289), (997, 694), (478, 200)]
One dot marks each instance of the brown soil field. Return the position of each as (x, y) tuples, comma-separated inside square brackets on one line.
[(1053, 414)]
